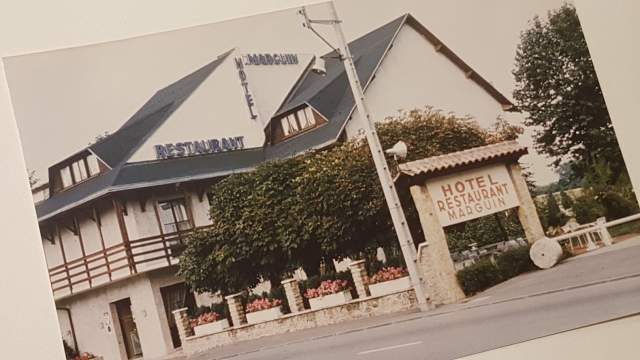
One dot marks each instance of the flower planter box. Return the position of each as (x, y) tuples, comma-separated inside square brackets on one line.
[(211, 328), (264, 315), (391, 286), (330, 300)]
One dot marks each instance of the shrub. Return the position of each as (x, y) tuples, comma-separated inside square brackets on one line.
[(616, 206), (485, 273), (587, 209), (479, 276), (514, 262)]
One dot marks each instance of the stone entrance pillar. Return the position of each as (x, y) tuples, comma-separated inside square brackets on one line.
[(359, 274), (182, 321), (527, 212), (434, 258), (236, 310), (294, 298)]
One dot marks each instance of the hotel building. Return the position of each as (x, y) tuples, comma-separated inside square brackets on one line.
[(114, 215)]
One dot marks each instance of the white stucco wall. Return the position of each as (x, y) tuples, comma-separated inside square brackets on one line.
[(414, 75), (97, 329), (270, 84), (218, 107), (139, 224), (92, 244), (200, 209), (215, 109)]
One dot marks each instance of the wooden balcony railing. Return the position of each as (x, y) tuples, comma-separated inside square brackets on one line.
[(118, 261)]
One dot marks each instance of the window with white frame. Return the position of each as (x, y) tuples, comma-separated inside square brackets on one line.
[(298, 121), (78, 171), (173, 215), (65, 176), (94, 166)]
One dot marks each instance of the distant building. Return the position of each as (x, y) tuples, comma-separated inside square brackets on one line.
[(114, 215)]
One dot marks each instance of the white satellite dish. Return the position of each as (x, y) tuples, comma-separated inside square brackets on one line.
[(399, 150)]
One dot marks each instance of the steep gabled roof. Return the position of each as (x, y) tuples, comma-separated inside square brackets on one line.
[(330, 94), (118, 147), (506, 104)]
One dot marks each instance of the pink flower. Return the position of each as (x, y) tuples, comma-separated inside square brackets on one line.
[(387, 274), (205, 318), (262, 304), (327, 287)]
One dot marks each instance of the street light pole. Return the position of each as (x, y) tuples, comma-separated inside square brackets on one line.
[(391, 195)]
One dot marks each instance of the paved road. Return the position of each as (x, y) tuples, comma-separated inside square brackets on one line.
[(597, 287)]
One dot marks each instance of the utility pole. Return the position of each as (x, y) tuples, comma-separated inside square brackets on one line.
[(391, 195)]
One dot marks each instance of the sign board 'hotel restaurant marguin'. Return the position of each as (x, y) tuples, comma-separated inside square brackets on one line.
[(112, 212)]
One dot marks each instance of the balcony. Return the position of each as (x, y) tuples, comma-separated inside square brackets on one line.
[(119, 261)]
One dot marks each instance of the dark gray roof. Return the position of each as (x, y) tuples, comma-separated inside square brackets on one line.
[(81, 193), (151, 173), (116, 149), (119, 146), (188, 168), (330, 94)]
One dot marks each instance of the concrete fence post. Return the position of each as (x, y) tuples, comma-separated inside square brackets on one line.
[(359, 274), (238, 316), (182, 322), (604, 232), (294, 297)]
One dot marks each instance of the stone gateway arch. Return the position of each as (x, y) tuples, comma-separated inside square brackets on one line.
[(458, 187)]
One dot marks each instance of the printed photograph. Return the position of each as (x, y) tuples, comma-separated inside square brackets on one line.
[(348, 180)]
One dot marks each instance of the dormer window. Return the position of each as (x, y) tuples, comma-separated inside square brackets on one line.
[(74, 170), (295, 122)]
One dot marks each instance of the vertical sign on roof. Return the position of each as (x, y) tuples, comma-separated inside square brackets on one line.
[(251, 104)]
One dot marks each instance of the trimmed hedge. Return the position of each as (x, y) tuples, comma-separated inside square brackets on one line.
[(514, 262), (479, 276), (485, 273)]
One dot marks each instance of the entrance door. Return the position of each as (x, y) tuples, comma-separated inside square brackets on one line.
[(129, 329), (176, 297)]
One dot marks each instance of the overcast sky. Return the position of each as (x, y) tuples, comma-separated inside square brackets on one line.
[(63, 98)]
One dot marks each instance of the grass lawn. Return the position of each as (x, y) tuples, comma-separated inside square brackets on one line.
[(624, 229)]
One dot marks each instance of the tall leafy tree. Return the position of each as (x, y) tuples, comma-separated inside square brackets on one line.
[(316, 207), (566, 200), (555, 216), (557, 86)]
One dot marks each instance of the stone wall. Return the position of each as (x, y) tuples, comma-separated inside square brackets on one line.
[(357, 309)]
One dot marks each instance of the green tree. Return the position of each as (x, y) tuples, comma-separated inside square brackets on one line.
[(566, 200), (316, 207), (587, 209), (251, 236), (557, 86), (555, 216)]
